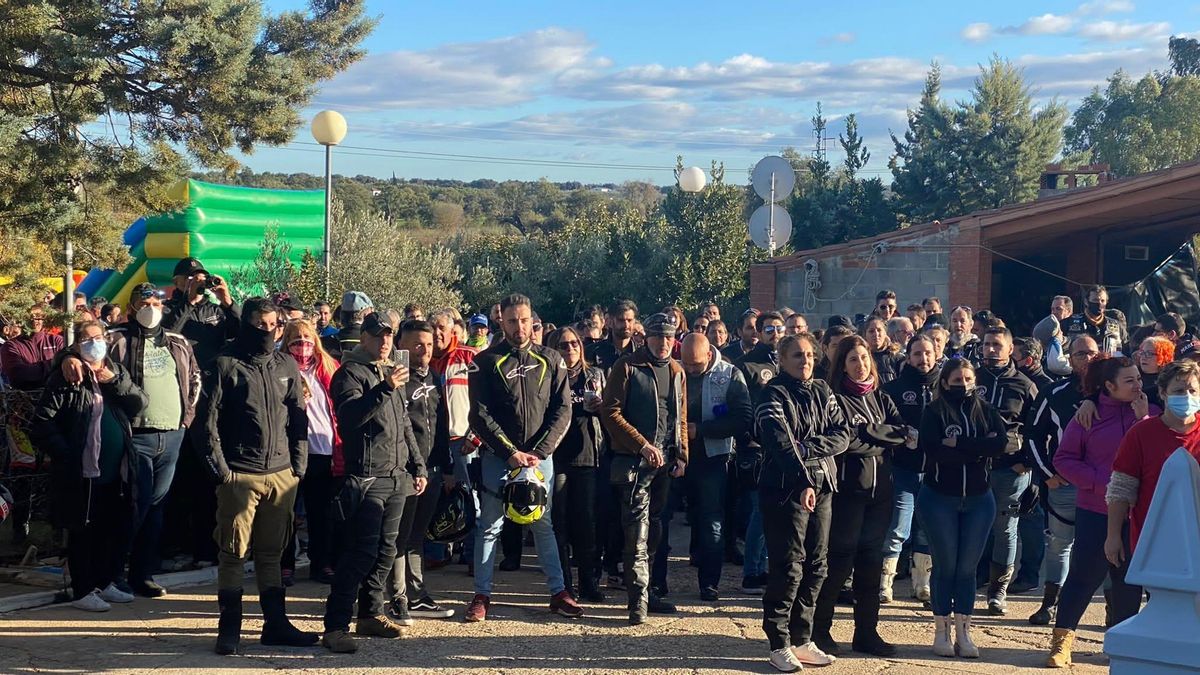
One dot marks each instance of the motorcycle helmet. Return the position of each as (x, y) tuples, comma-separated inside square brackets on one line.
[(525, 495), (454, 516)]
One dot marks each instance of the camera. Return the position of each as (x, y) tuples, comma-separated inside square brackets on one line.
[(213, 282)]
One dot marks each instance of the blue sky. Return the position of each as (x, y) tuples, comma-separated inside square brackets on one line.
[(613, 91)]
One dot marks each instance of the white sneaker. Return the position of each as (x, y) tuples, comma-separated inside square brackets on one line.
[(785, 661), (811, 655), (114, 594), (92, 602)]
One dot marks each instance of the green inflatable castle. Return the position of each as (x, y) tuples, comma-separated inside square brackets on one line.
[(221, 225)]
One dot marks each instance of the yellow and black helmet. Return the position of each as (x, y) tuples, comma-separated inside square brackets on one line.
[(525, 495)]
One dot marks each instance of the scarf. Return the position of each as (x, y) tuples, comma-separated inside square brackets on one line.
[(857, 388)]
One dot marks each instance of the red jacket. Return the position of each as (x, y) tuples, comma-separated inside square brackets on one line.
[(25, 360), (452, 368)]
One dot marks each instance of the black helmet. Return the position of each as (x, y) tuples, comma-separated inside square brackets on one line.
[(454, 517)]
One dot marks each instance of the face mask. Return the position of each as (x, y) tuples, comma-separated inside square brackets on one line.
[(93, 351), (149, 317), (1183, 405), (302, 351), (1093, 307), (258, 340), (956, 393), (991, 361)]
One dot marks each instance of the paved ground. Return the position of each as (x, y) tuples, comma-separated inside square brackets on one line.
[(175, 635)]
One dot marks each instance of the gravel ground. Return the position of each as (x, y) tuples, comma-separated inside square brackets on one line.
[(175, 634)]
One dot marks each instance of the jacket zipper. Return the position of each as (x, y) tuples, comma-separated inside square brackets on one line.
[(269, 399), (87, 512), (966, 433)]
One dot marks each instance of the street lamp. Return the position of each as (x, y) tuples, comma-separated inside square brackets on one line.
[(328, 129), (691, 179)]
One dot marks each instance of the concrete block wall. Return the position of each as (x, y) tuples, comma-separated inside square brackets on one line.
[(914, 268)]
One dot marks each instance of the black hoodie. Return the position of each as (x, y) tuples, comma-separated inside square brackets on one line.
[(1012, 395), (911, 391)]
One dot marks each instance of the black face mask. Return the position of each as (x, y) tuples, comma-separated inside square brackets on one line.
[(957, 393), (991, 361), (1094, 308), (258, 341)]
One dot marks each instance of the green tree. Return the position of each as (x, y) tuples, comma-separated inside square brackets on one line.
[(852, 144), (1185, 56), (1139, 126), (102, 103), (271, 272), (707, 241), (983, 153)]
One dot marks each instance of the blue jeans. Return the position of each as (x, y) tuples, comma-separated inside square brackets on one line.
[(156, 455), (905, 487), (1031, 529), (1007, 486), (491, 522), (1060, 534), (957, 528), (754, 560), (706, 482)]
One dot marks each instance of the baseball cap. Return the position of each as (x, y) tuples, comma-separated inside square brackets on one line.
[(187, 267), (478, 320), (839, 320), (354, 301), (661, 325), (375, 324)]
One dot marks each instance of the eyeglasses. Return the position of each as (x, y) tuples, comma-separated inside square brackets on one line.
[(1084, 355), (568, 344), (773, 329), (537, 326)]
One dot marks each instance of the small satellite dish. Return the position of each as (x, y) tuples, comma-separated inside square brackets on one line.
[(777, 169), (766, 218)]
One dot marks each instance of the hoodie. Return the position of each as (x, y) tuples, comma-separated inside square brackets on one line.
[(1085, 456)]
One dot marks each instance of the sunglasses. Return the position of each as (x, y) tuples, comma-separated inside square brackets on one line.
[(568, 344), (156, 293), (773, 329)]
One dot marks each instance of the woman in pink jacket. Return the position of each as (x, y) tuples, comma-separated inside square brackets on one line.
[(1085, 459)]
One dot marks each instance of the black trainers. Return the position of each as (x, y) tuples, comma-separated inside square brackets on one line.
[(426, 608), (658, 605), (709, 595), (148, 589), (397, 611)]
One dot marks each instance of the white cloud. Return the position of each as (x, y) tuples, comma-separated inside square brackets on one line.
[(1124, 31), (491, 73), (1102, 7), (977, 32), (1046, 24), (845, 38)]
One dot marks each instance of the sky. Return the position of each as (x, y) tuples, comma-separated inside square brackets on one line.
[(613, 91)]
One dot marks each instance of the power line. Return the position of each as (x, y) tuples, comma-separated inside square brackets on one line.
[(476, 159)]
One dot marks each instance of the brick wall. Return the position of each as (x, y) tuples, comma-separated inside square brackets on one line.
[(915, 267)]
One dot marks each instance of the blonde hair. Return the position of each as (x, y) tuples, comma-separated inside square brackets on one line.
[(294, 330)]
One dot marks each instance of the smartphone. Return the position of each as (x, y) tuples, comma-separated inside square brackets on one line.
[(402, 357)]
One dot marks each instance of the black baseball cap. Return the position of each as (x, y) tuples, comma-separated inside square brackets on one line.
[(376, 324), (187, 267)]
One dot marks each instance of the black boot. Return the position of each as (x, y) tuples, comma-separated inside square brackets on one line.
[(998, 589), (277, 629), (229, 626), (1045, 614), (868, 641), (1110, 619)]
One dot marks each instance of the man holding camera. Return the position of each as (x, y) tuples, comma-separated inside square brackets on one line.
[(191, 312)]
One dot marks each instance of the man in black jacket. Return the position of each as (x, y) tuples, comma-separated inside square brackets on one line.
[(622, 318), (253, 424), (1106, 325), (1051, 413), (380, 465), (1027, 353), (520, 409), (1012, 395), (430, 420)]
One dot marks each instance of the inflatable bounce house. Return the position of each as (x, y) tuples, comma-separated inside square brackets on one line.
[(221, 225)]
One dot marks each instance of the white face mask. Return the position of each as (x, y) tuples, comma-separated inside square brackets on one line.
[(149, 316)]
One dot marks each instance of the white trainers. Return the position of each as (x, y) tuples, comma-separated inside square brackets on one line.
[(92, 602), (811, 655), (114, 594), (785, 661)]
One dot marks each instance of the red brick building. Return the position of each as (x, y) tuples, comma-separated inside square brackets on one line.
[(1011, 260)]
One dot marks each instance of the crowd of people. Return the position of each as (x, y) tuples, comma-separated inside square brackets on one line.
[(841, 455)]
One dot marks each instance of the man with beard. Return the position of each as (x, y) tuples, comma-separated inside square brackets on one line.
[(622, 319), (1012, 395)]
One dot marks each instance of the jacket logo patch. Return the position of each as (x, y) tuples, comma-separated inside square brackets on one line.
[(858, 419), (422, 392), (953, 430), (910, 397), (519, 371), (981, 391), (765, 375)]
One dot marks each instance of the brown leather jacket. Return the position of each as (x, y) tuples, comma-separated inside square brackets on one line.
[(630, 408)]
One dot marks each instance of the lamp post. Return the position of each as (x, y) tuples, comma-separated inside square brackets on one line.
[(691, 179), (328, 129)]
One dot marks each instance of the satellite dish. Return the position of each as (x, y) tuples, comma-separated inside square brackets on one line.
[(765, 218), (780, 170)]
